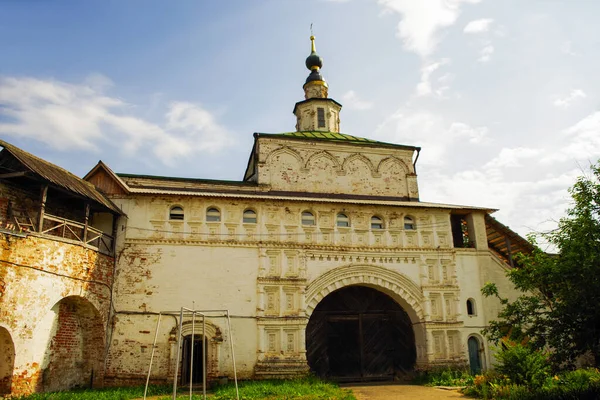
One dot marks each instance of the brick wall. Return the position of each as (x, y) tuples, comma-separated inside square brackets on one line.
[(54, 302)]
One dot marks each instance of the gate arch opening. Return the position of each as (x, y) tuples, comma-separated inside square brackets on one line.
[(7, 361), (358, 332), (75, 352)]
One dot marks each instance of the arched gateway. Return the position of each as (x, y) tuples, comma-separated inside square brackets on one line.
[(361, 324)]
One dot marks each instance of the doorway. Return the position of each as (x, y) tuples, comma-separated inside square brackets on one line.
[(359, 333), (474, 355), (194, 342)]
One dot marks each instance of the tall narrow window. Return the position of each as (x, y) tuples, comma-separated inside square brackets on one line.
[(308, 218), (321, 117), (249, 217), (213, 215), (471, 307), (409, 223), (176, 213), (342, 220), (376, 223)]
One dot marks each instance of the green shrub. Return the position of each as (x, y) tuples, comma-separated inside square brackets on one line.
[(523, 365), (583, 384), (446, 376)]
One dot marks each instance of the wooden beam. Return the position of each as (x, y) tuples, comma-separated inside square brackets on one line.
[(43, 196), (13, 174), (87, 218)]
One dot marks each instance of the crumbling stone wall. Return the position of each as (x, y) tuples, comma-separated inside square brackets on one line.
[(54, 294)]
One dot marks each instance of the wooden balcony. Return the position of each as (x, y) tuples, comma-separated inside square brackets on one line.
[(81, 233)]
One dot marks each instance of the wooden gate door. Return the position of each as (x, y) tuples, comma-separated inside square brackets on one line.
[(378, 347), (343, 346), (358, 333)]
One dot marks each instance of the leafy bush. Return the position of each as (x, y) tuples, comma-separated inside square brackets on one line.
[(444, 377), (583, 384), (523, 365)]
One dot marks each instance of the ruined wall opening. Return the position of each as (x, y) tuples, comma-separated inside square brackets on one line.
[(193, 362), (74, 356), (360, 333), (7, 361)]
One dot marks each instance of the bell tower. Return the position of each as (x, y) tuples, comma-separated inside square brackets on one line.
[(317, 112)]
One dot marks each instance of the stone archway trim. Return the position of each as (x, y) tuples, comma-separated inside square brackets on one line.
[(361, 274)]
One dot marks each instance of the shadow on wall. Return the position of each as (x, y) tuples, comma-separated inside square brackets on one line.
[(74, 356), (7, 361)]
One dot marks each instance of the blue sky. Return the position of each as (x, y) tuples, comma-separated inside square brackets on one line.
[(502, 95)]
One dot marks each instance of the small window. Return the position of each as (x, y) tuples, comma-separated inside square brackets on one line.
[(409, 223), (321, 117), (213, 215), (176, 213), (342, 220), (308, 218), (471, 307), (376, 223), (249, 217)]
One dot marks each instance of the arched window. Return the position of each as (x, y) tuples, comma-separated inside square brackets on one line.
[(213, 215), (409, 223), (176, 213), (376, 223), (308, 218), (249, 217), (343, 220), (471, 307)]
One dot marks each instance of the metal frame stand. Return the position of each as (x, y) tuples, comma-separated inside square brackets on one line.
[(190, 312)]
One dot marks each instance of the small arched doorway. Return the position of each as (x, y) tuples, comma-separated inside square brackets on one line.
[(359, 333), (7, 361), (75, 353), (192, 360), (474, 355)]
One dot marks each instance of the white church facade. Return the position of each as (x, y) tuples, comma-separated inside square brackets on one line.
[(324, 255)]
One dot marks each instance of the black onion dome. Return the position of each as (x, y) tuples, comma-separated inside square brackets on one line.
[(314, 60), (314, 75)]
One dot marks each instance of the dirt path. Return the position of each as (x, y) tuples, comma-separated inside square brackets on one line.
[(402, 392)]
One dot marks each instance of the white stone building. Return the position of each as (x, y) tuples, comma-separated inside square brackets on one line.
[(324, 255)]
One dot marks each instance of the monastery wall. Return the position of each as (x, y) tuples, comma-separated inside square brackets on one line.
[(272, 274), (54, 307)]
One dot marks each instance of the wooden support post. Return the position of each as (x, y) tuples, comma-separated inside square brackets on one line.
[(509, 251), (115, 220), (43, 197), (85, 226)]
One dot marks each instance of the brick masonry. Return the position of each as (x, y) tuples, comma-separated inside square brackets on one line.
[(54, 308)]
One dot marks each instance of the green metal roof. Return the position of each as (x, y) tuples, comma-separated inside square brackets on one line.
[(331, 136)]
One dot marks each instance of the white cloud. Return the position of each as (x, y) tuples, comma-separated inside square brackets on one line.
[(566, 101), (79, 117), (422, 19), (486, 53), (438, 136), (512, 158), (353, 102), (424, 87), (478, 25)]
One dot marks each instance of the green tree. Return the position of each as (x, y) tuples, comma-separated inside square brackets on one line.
[(559, 305)]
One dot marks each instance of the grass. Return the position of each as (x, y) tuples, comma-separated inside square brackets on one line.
[(295, 389), (121, 393)]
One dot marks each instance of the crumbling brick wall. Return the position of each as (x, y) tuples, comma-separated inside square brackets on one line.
[(38, 276)]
